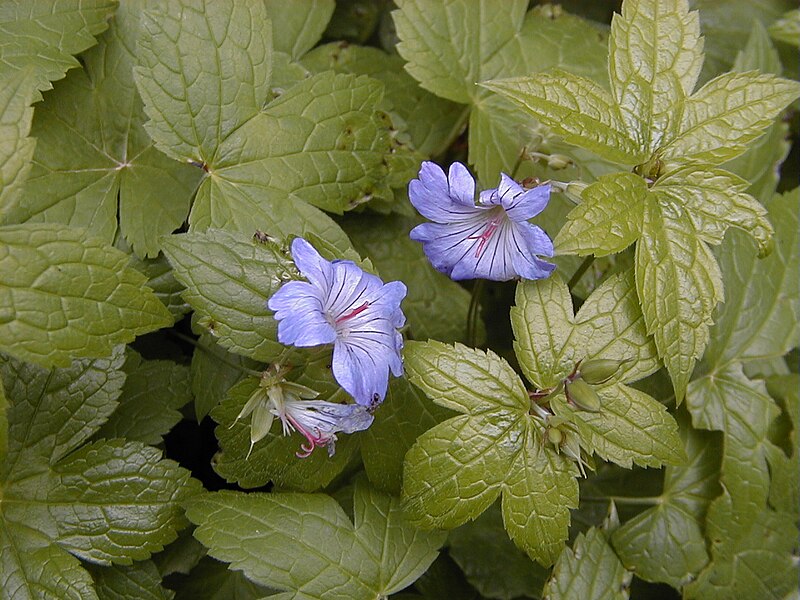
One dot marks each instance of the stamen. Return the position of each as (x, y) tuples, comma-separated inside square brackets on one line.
[(484, 237), (352, 313)]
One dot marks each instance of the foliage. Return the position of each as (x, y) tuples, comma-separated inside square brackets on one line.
[(625, 426)]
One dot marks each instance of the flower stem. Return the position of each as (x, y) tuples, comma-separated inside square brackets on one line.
[(222, 359), (582, 268), (472, 312), (522, 155)]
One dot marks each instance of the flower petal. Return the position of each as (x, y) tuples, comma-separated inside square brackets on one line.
[(462, 184), (361, 366), (527, 204), (301, 319), (446, 245), (310, 264), (440, 201), (535, 241)]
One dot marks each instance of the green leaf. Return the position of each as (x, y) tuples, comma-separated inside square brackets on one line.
[(140, 580), (579, 110), (784, 490), (228, 280), (111, 501), (726, 114), (213, 372), (679, 285), (714, 201), (631, 428), (762, 310), (674, 526), (67, 295), (92, 148), (320, 142), (16, 148), (148, 406), (540, 491), (759, 53), (436, 307), (403, 417), (161, 279), (589, 569), (274, 458), (491, 562), (190, 49), (608, 219), (655, 57), (787, 28), (274, 538), (450, 46), (45, 36), (297, 26), (212, 580)]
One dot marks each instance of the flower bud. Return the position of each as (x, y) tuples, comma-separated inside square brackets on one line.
[(583, 396), (599, 370), (559, 161), (555, 436)]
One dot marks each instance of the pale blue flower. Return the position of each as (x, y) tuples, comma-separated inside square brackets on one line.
[(355, 311), (490, 239)]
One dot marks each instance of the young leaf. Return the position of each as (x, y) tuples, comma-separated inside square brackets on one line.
[(589, 569), (674, 526), (110, 501), (726, 114), (67, 295), (608, 219), (655, 56), (92, 148), (229, 280), (189, 50), (45, 36), (16, 148), (305, 543), (679, 285), (148, 406), (579, 110)]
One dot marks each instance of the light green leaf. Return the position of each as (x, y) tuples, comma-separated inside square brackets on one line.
[(274, 458), (148, 407), (674, 526), (630, 428), (297, 26), (608, 219), (679, 285), (450, 46), (436, 307), (220, 204), (229, 280), (579, 110), (715, 200), (589, 569), (612, 325), (456, 470), (320, 142), (544, 331), (655, 57), (464, 379), (68, 296), (16, 148), (403, 417), (540, 489), (762, 310), (787, 28), (491, 562), (76, 400), (213, 373), (190, 49), (92, 149), (759, 53), (726, 114), (46, 35), (273, 539), (431, 122), (140, 580)]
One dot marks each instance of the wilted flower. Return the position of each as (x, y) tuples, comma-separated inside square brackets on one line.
[(355, 311), (490, 239)]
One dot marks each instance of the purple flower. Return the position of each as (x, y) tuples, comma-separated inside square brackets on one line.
[(488, 240), (355, 311)]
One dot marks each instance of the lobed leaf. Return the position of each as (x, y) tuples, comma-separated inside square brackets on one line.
[(67, 296), (16, 147)]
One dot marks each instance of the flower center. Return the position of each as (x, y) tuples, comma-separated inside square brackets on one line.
[(349, 315)]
